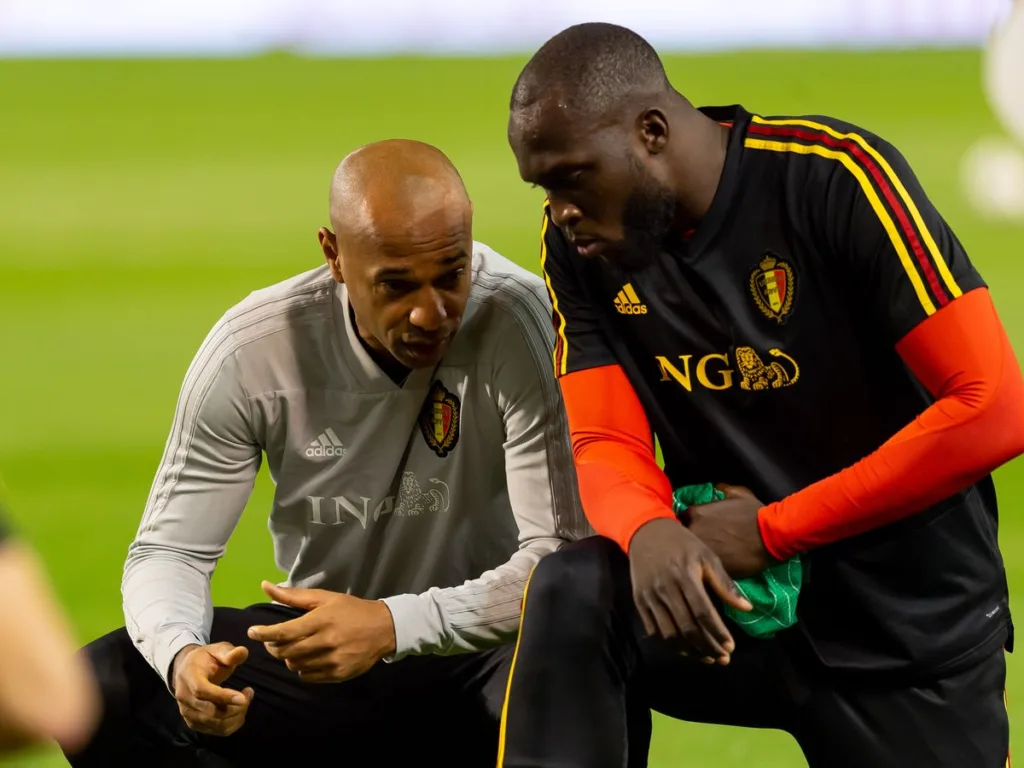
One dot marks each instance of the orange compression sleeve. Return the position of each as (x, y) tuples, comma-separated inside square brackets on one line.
[(962, 356), (621, 485)]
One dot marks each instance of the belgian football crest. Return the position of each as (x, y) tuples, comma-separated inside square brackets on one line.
[(773, 284), (439, 420)]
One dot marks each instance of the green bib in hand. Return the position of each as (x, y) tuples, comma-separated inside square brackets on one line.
[(773, 593)]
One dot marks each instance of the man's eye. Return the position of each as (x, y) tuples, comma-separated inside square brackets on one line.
[(451, 279), (395, 287), (572, 180)]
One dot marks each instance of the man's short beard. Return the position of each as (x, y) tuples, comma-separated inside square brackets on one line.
[(648, 218)]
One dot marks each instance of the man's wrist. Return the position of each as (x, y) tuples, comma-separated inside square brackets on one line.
[(179, 656), (418, 623), (641, 522), (388, 633), (772, 542)]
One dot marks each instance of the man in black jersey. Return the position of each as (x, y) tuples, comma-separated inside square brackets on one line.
[(778, 301)]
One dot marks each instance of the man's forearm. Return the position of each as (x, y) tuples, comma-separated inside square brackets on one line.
[(621, 485), (617, 505), (479, 614), (962, 355), (167, 606)]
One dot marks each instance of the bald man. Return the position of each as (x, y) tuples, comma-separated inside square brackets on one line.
[(402, 396)]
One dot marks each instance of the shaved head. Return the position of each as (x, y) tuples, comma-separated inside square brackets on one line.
[(394, 188), (402, 244), (591, 68), (626, 162)]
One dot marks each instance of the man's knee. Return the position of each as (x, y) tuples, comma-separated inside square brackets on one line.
[(119, 668), (580, 584), (135, 702)]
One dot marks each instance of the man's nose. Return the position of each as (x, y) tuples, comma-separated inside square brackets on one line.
[(429, 313), (564, 214)]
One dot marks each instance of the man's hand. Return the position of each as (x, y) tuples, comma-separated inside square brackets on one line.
[(729, 527), (669, 566), (198, 673), (339, 638)]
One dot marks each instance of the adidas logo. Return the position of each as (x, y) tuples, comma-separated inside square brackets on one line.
[(327, 444), (628, 303)]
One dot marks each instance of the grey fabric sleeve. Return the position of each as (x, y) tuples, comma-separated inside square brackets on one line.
[(201, 487)]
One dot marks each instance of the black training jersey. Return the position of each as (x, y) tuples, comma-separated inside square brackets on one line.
[(764, 355)]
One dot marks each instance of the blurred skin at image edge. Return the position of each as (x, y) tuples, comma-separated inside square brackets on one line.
[(47, 690)]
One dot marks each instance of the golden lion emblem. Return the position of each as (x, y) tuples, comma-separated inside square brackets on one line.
[(757, 376)]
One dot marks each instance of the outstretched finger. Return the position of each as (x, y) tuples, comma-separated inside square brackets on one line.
[(229, 655), (650, 625), (296, 597), (718, 641), (667, 615), (218, 696), (724, 586), (300, 650), (286, 631)]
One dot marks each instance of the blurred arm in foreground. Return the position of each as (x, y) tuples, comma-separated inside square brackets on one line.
[(46, 690)]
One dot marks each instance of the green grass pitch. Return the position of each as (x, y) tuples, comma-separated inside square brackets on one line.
[(141, 199)]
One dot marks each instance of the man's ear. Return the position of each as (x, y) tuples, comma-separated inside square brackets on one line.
[(653, 127), (329, 244)]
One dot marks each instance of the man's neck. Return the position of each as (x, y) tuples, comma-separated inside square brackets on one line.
[(701, 169), (395, 371)]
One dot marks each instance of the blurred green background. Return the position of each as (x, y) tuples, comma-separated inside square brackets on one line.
[(140, 199)]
